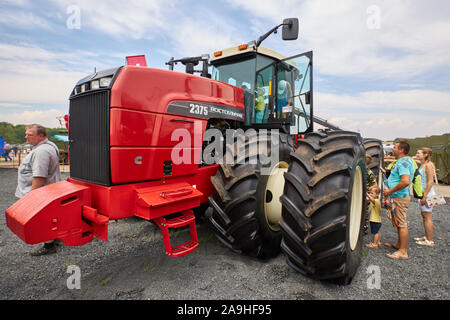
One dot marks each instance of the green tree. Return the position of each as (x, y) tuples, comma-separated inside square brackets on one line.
[(15, 134)]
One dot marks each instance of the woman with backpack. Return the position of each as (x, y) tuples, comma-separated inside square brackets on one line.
[(426, 170)]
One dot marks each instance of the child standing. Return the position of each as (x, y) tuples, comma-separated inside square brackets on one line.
[(371, 181), (373, 196)]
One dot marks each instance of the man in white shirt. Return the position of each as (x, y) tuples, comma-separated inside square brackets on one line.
[(39, 168)]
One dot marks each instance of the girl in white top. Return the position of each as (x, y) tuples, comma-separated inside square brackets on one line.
[(426, 169)]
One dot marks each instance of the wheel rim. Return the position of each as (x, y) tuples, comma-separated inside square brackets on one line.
[(356, 208), (273, 192)]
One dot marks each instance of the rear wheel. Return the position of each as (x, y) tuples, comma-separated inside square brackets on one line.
[(374, 148), (245, 209), (323, 206)]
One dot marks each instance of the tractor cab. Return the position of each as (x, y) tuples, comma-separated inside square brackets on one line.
[(278, 90)]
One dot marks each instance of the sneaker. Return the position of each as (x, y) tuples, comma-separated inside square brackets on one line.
[(46, 249)]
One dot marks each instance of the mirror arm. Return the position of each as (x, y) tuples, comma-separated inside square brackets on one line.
[(268, 33), (273, 30)]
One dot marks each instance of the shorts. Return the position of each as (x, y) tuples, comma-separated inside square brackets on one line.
[(401, 207), (424, 208), (375, 227), (259, 115)]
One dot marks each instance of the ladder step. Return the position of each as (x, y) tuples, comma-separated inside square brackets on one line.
[(183, 249), (187, 218), (181, 221)]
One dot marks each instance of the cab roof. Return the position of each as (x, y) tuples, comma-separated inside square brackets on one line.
[(242, 49)]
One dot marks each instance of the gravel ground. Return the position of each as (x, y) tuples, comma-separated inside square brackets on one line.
[(132, 265)]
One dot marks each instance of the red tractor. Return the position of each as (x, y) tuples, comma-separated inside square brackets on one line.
[(306, 197)]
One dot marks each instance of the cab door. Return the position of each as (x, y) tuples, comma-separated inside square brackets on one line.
[(293, 93), (284, 94)]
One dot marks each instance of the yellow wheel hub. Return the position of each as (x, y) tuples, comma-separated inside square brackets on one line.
[(356, 207), (273, 192)]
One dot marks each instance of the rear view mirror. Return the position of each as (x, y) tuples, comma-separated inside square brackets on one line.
[(290, 29)]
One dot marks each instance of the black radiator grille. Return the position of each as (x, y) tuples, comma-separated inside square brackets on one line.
[(89, 137)]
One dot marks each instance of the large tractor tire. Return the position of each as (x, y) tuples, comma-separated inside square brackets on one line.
[(374, 148), (323, 206), (245, 209)]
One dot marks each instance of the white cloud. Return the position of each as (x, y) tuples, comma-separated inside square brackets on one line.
[(51, 87), (413, 37), (419, 100), (387, 115), (30, 74), (388, 126), (187, 28), (23, 20), (195, 37), (35, 83), (47, 118), (5, 105), (122, 19), (17, 3)]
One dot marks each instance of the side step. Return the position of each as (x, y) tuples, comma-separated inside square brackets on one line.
[(187, 218), (157, 202), (162, 200)]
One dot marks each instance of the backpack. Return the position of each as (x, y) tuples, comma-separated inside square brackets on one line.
[(417, 184), (389, 168)]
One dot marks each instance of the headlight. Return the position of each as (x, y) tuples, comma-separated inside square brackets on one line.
[(104, 82), (95, 84), (84, 87)]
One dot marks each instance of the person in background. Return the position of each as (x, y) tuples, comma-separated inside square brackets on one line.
[(371, 181), (398, 189), (284, 97), (260, 106), (426, 170), (14, 149), (39, 168), (373, 196), (7, 151)]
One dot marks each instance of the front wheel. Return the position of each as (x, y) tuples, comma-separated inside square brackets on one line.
[(245, 209), (323, 206)]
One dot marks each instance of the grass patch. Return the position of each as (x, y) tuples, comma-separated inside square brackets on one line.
[(104, 282), (67, 265), (205, 239), (150, 267), (174, 233)]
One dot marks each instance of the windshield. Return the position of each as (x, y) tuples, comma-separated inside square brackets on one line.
[(239, 73)]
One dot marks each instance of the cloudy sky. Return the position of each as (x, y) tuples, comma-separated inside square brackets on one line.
[(381, 67)]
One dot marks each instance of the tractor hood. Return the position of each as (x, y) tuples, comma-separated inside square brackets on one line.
[(96, 81)]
